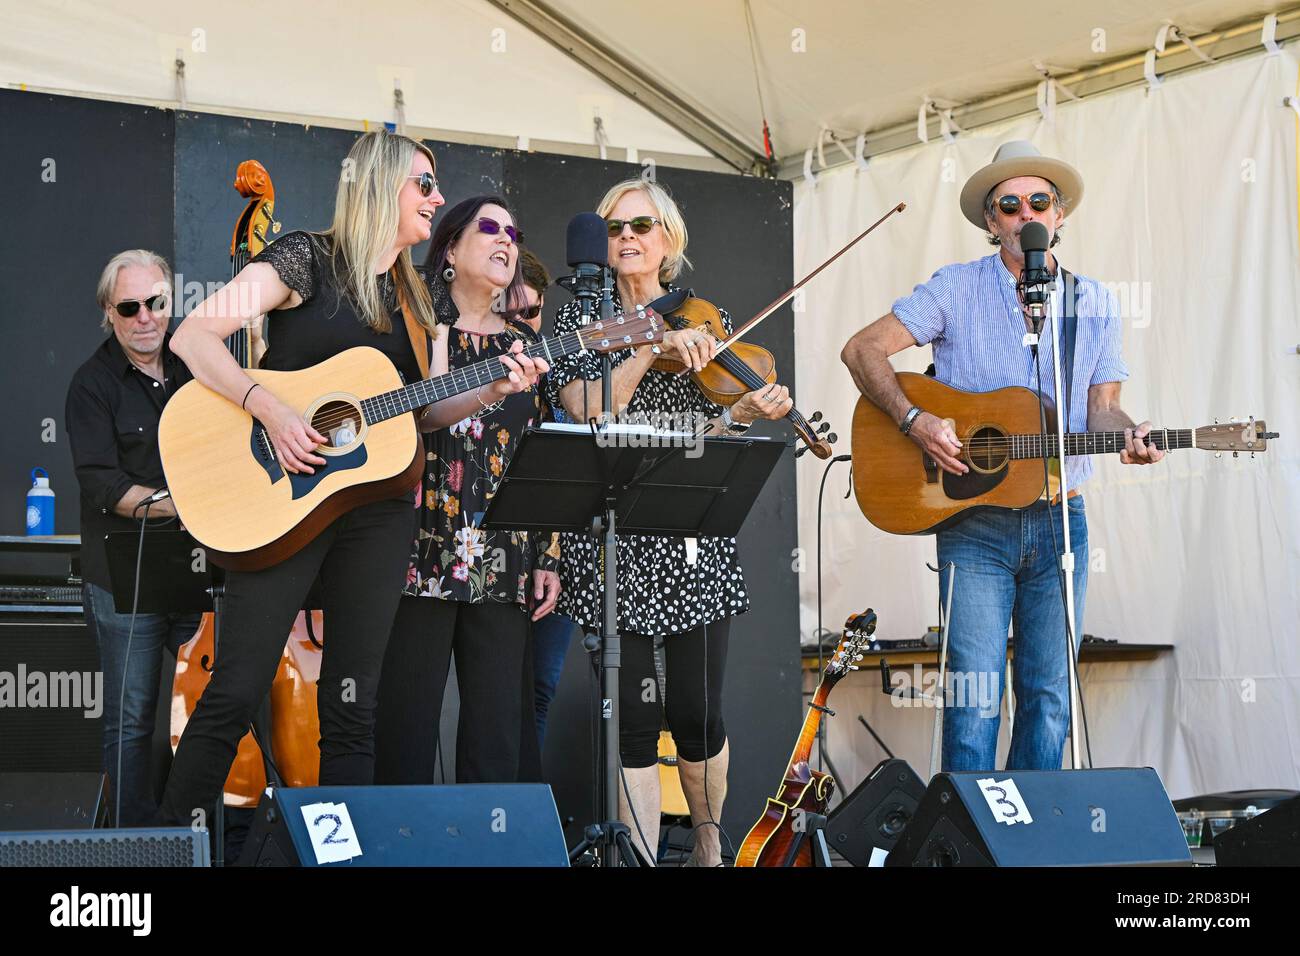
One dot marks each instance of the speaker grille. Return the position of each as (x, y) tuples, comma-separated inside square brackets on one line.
[(181, 847)]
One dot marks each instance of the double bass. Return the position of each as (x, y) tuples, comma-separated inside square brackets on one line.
[(294, 727)]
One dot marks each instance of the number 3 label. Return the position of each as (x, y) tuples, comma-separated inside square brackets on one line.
[(1004, 800)]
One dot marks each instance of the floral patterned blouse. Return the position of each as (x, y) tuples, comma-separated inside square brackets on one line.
[(452, 558)]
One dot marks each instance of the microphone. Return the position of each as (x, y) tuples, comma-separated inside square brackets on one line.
[(587, 252), (1034, 279)]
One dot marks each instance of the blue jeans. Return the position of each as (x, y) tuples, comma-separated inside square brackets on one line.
[(1007, 573), (152, 633), (551, 638)]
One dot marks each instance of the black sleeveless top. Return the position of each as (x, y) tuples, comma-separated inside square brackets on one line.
[(325, 324)]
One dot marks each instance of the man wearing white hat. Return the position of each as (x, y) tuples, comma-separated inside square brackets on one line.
[(973, 316)]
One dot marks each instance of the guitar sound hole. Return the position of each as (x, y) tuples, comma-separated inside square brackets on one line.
[(988, 449), (340, 422)]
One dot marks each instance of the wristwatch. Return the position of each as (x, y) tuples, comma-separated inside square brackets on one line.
[(905, 425), (731, 424)]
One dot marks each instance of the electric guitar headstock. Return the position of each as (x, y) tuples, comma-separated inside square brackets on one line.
[(858, 630), (624, 331), (1234, 436)]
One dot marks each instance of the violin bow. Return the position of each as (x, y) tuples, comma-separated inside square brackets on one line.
[(785, 297)]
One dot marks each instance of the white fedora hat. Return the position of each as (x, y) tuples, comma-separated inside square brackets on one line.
[(1019, 157)]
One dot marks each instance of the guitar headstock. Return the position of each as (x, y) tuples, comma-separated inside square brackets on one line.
[(857, 638), (624, 331), (1234, 436)]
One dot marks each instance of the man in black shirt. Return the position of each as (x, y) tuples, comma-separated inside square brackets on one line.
[(114, 403)]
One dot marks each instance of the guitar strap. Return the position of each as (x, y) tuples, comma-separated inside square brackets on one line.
[(420, 341), (1069, 328)]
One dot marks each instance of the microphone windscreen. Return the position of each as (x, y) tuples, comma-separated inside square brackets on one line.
[(1033, 237), (587, 240)]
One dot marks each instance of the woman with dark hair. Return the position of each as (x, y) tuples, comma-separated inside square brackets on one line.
[(469, 592), (326, 292)]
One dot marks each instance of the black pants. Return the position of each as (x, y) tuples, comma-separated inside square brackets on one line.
[(496, 737), (361, 560), (692, 697)]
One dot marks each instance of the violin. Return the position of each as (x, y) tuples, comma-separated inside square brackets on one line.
[(734, 372), (738, 368)]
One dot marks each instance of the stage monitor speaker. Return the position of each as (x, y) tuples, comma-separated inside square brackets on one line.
[(1110, 817), (872, 818), (53, 801), (1270, 839), (476, 824), (171, 846)]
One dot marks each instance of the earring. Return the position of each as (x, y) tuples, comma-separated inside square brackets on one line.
[(448, 274)]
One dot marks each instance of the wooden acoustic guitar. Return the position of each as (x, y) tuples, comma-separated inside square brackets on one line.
[(902, 490), (234, 497), (780, 837)]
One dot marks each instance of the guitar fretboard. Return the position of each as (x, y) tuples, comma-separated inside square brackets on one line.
[(1078, 443), (407, 399)]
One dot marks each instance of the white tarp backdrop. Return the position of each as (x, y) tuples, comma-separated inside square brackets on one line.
[(1191, 210)]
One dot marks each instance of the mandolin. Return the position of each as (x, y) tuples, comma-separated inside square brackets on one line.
[(232, 493), (902, 490), (779, 838)]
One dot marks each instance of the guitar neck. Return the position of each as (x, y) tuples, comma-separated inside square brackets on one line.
[(1088, 443), (402, 400), (811, 724)]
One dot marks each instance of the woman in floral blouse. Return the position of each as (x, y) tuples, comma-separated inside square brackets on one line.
[(469, 591)]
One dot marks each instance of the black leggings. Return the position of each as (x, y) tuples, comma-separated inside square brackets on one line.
[(361, 560), (496, 737), (693, 669)]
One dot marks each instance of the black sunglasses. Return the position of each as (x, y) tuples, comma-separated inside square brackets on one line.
[(531, 312), (492, 227), (640, 225), (129, 308), (427, 183), (1010, 205)]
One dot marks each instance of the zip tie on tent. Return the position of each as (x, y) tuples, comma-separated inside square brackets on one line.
[(1171, 32), (860, 153), (1268, 35), (601, 139), (827, 133), (399, 106), (807, 167), (181, 97), (941, 108), (1149, 70)]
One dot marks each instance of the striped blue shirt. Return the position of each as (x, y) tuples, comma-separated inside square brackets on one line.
[(970, 313)]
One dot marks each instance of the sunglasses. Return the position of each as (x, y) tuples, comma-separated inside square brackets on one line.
[(531, 312), (129, 308), (1039, 202), (640, 225), (492, 227), (427, 183)]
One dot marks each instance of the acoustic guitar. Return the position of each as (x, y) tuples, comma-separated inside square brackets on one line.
[(780, 837), (232, 493), (902, 490)]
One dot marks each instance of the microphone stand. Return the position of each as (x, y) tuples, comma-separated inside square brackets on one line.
[(610, 839), (1038, 291)]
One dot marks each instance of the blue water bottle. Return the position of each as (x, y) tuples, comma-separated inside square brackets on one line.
[(40, 504)]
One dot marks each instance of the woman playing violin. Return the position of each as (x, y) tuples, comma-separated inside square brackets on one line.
[(683, 591)]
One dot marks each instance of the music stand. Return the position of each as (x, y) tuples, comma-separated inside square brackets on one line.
[(616, 479)]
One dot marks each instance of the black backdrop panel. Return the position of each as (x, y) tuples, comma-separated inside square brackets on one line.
[(83, 180), (741, 245)]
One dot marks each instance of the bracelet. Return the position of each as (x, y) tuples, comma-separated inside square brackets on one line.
[(909, 419), (244, 403), (486, 408), (730, 424)]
